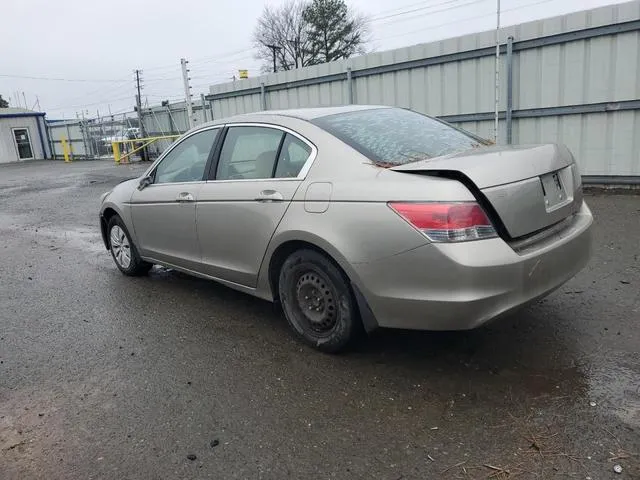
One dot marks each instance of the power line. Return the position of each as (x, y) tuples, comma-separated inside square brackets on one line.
[(405, 12), (101, 102), (198, 60), (413, 17), (102, 91), (53, 79), (398, 8), (492, 14)]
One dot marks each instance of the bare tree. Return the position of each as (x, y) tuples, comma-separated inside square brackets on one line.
[(284, 28)]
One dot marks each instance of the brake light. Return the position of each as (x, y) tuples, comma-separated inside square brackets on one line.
[(447, 222)]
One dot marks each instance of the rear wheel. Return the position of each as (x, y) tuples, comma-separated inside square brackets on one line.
[(317, 301), (123, 250)]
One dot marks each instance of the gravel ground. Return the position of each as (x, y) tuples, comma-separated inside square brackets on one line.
[(167, 376)]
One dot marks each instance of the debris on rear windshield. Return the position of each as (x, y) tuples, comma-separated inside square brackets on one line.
[(384, 164), (396, 136), (408, 158)]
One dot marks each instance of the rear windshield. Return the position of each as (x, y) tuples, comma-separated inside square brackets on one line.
[(394, 136)]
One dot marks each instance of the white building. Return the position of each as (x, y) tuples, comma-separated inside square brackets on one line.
[(23, 135)]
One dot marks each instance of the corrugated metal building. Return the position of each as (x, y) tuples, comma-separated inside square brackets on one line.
[(576, 80), (22, 135)]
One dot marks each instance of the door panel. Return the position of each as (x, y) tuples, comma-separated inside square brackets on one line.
[(235, 223), (164, 219), (164, 213), (240, 208)]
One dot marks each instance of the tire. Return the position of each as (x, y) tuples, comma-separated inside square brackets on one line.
[(318, 302), (124, 252)]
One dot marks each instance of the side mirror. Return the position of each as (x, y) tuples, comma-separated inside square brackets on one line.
[(145, 182)]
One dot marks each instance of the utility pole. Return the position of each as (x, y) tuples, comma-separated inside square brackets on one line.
[(143, 133), (274, 49), (25, 100), (497, 92), (187, 91), (139, 104)]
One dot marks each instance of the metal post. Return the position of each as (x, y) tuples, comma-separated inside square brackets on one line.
[(86, 135), (497, 92), (204, 108), (52, 145), (263, 96), (211, 109), (349, 86), (509, 89), (172, 128), (84, 139), (70, 140)]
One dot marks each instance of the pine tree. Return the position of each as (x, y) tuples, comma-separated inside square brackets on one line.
[(334, 31)]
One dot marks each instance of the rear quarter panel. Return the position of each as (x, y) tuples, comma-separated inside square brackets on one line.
[(357, 226)]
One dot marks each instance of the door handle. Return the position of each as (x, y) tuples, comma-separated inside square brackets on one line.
[(184, 197), (270, 196)]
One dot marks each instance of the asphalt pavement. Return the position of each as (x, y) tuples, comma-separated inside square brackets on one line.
[(171, 377)]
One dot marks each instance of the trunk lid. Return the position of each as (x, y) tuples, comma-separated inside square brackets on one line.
[(528, 187)]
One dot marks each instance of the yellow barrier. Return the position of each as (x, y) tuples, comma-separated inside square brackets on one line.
[(124, 158), (66, 150)]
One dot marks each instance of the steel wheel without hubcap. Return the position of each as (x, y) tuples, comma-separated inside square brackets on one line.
[(120, 247), (316, 302)]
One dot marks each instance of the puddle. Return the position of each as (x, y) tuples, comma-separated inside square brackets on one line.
[(85, 238), (616, 388)]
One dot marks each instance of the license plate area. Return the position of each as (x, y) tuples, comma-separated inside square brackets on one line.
[(554, 190)]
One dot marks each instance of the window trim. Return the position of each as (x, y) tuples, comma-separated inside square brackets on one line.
[(151, 171), (301, 175)]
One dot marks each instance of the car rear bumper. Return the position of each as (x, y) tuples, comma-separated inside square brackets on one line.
[(461, 286)]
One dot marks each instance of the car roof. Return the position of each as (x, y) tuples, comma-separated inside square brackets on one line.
[(307, 114), (316, 112)]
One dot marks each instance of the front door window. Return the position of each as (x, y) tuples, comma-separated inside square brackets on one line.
[(187, 161), (23, 143)]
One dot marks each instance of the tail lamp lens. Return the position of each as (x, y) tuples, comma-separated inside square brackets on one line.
[(447, 222)]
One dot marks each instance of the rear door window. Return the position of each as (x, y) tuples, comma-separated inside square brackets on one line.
[(249, 153), (293, 155)]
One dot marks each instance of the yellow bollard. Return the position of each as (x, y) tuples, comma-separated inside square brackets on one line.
[(65, 149), (116, 152)]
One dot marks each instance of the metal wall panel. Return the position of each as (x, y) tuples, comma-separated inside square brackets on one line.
[(569, 61), (72, 132)]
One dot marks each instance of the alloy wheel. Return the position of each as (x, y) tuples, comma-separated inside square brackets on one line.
[(120, 247)]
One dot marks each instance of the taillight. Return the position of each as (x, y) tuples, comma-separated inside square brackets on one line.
[(447, 222)]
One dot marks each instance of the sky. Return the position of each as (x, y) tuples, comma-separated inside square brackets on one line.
[(75, 57)]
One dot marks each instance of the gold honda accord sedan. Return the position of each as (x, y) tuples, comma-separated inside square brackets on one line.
[(357, 217)]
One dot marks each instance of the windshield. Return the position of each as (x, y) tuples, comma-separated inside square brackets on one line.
[(394, 136)]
